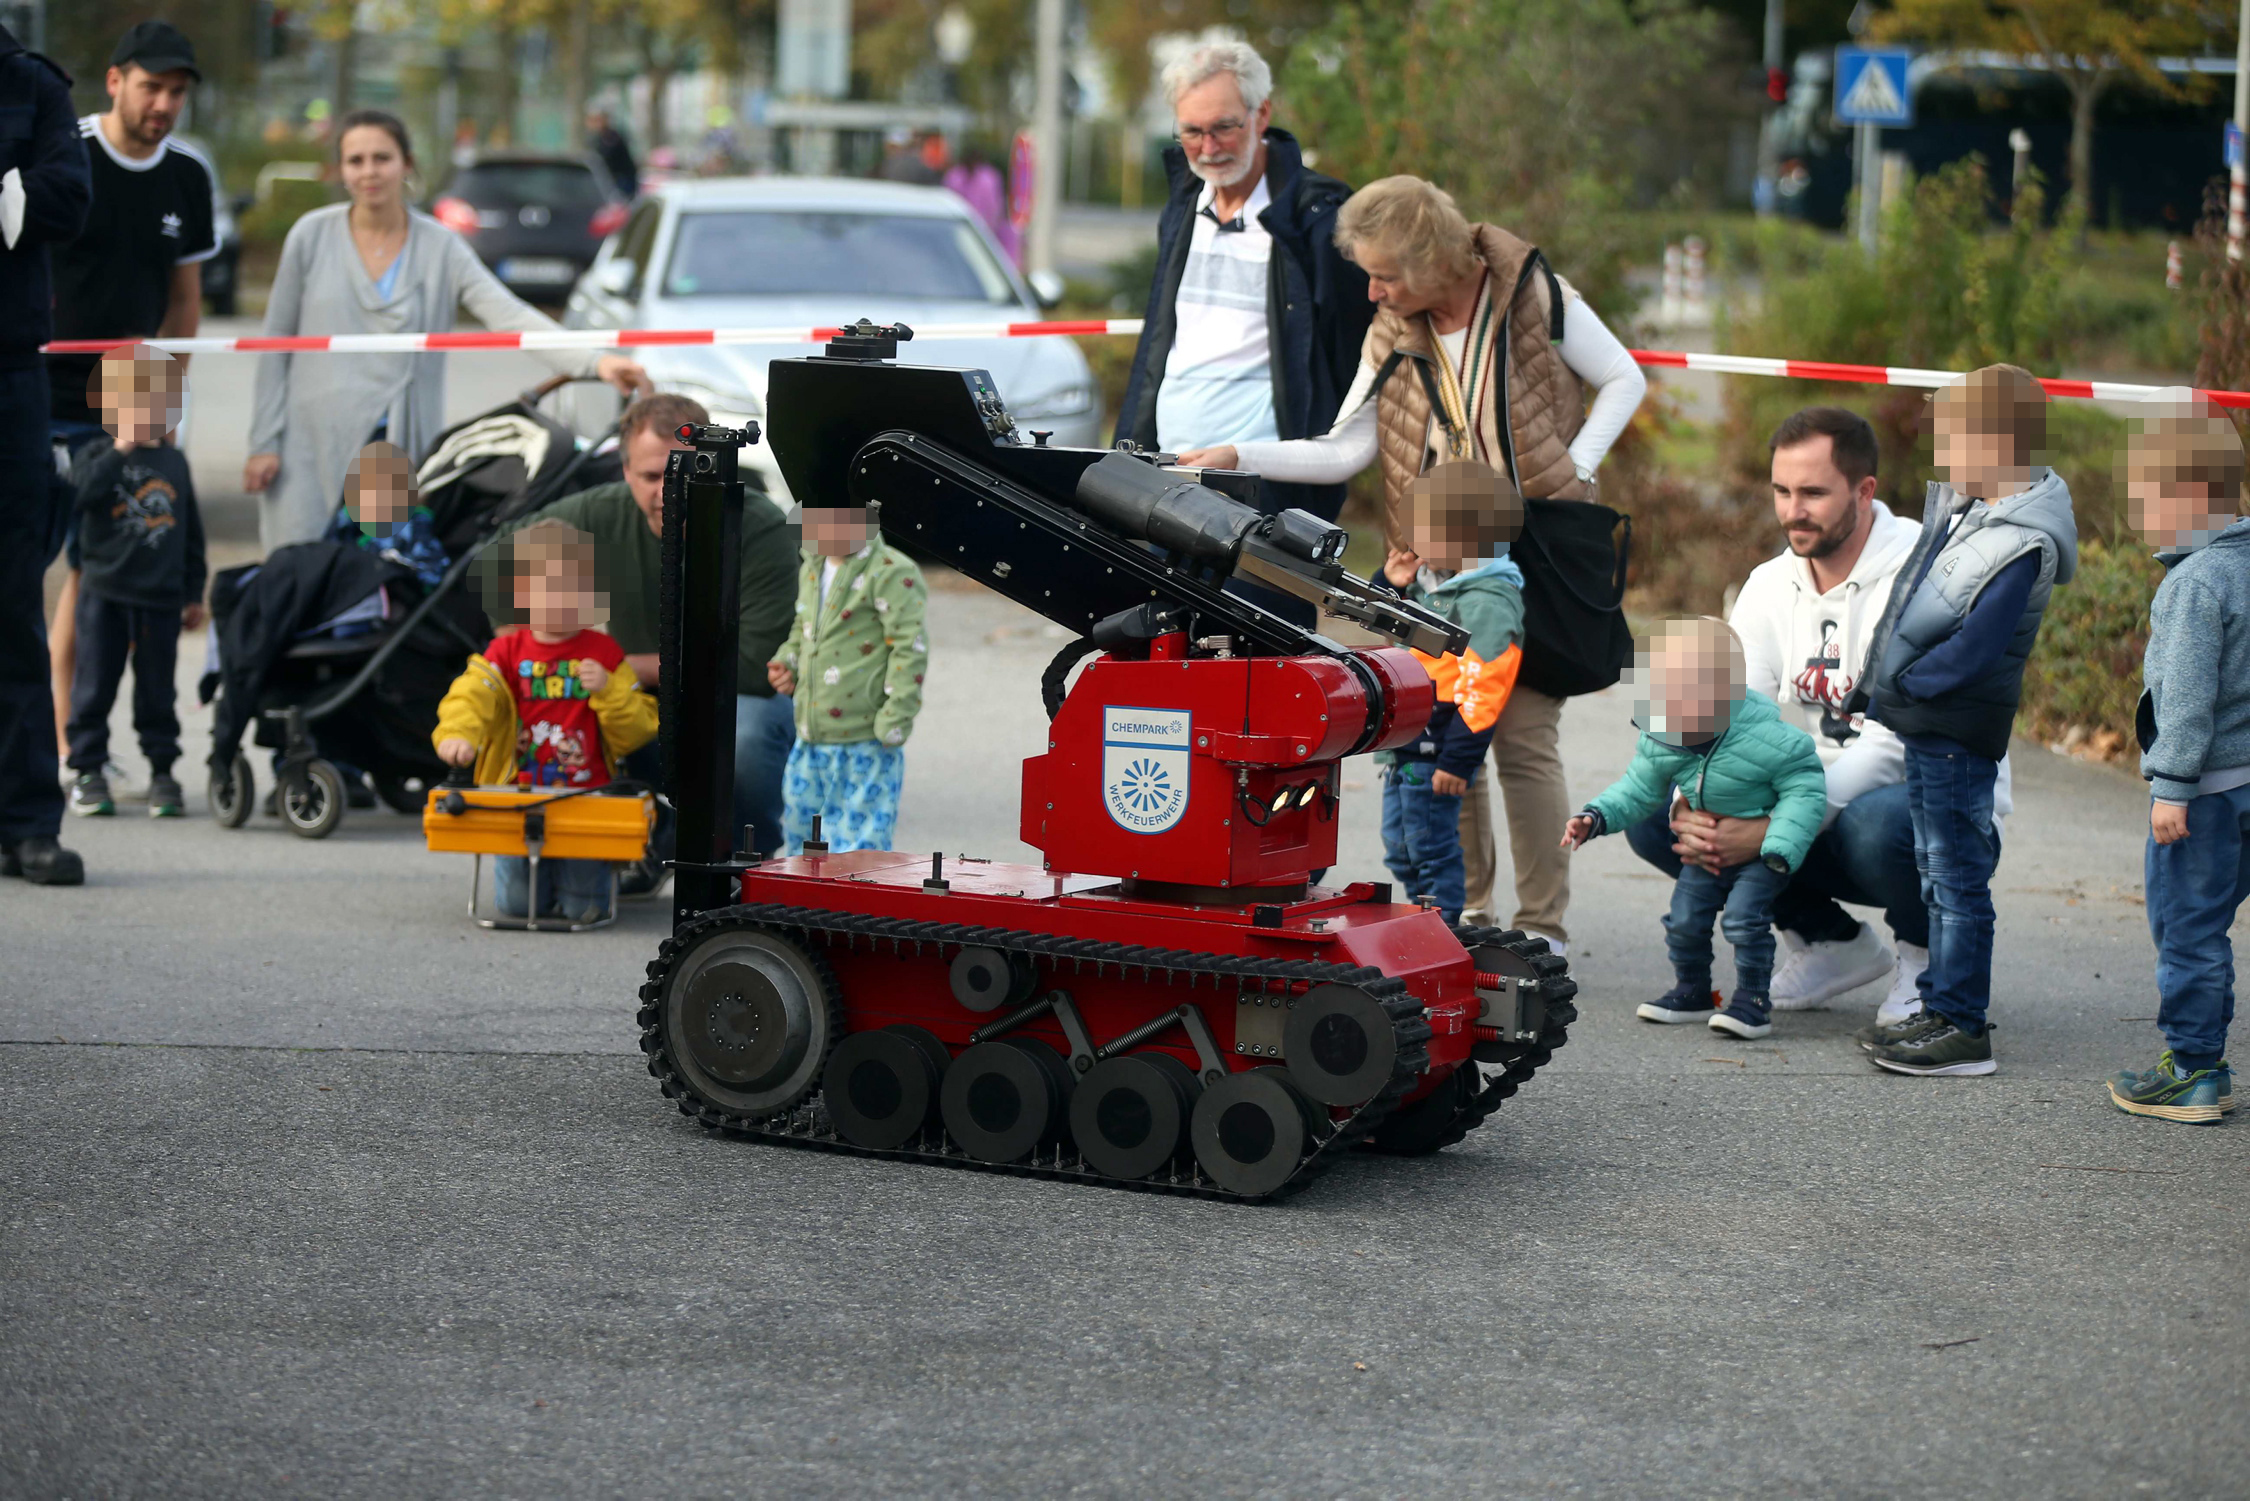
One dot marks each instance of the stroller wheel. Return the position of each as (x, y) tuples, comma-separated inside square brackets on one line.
[(314, 806), (233, 792), (408, 795)]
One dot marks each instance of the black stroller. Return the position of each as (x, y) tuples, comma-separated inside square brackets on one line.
[(367, 694)]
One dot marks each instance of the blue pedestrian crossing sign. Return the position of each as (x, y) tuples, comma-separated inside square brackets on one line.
[(1871, 86)]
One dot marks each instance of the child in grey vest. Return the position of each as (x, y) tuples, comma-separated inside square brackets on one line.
[(1949, 654)]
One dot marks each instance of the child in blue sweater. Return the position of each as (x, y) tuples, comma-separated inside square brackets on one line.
[(2184, 476)]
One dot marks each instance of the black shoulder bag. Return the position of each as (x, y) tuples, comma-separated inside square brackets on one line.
[(1572, 553)]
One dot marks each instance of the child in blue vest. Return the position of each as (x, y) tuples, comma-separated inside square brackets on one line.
[(1948, 655), (1726, 749)]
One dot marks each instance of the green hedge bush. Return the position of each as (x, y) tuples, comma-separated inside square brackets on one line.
[(2085, 675)]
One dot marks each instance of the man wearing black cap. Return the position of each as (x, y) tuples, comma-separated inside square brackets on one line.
[(136, 271), (42, 203)]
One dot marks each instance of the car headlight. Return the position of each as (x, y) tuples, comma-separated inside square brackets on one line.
[(727, 408), (1064, 401)]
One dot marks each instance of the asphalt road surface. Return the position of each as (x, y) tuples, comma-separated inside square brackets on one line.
[(309, 1187)]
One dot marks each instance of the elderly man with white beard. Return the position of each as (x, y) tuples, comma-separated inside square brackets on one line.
[(1255, 318)]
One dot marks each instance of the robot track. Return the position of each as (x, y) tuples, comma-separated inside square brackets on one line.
[(1436, 1121)]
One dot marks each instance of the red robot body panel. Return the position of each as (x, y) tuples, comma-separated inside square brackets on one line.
[(1167, 1003), (1211, 773)]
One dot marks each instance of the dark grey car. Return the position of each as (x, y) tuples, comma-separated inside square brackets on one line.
[(536, 220)]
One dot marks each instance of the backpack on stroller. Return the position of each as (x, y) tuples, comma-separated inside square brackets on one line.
[(328, 653)]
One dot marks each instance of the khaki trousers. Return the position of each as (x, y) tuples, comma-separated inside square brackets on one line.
[(1527, 758)]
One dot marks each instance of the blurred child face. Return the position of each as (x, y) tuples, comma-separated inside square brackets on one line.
[(2178, 513), (557, 598), (1979, 464), (379, 487), (2183, 475), (137, 393), (835, 531), (1989, 428), (1691, 677), (1461, 514), (553, 570)]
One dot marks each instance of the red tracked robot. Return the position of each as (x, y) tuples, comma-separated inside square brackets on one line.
[(1168, 1002)]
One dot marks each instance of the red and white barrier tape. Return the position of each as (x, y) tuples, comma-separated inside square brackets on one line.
[(1900, 375), (659, 338), (580, 338)]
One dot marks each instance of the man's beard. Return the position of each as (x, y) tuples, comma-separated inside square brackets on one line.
[(147, 129), (1823, 544), (1224, 174)]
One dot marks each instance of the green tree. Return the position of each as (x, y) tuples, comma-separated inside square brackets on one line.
[(2089, 45), (1543, 132)]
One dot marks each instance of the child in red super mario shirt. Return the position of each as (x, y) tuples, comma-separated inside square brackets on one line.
[(552, 704)]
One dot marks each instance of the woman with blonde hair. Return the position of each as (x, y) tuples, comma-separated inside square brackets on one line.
[(370, 266), (1479, 355)]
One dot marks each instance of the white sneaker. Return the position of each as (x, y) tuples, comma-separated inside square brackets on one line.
[(1813, 974), (1905, 999)]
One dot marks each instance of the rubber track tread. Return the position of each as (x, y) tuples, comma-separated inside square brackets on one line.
[(801, 1128), (1559, 988)]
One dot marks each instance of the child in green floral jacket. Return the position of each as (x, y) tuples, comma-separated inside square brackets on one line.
[(854, 662)]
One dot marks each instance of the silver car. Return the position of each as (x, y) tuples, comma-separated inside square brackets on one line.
[(811, 252)]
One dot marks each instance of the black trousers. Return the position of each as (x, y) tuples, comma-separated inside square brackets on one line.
[(31, 800), (107, 633)]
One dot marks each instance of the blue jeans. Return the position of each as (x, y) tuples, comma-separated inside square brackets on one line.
[(575, 889), (1741, 897), (2194, 888), (1866, 858), (31, 800), (764, 731), (1422, 839), (1956, 848)]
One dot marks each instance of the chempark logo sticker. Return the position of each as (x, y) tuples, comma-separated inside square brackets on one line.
[(1145, 767)]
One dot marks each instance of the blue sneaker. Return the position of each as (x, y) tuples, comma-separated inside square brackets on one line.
[(1748, 1016), (1682, 1003), (2225, 1071), (2164, 1095)]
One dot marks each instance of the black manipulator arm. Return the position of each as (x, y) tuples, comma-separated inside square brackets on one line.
[(1082, 536)]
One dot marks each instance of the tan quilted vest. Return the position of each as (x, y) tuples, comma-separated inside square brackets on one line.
[(1546, 403)]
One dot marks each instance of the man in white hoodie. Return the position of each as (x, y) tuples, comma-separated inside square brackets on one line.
[(1805, 619)]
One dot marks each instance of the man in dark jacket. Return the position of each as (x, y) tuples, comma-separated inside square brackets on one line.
[(1255, 320), (44, 193), (607, 142)]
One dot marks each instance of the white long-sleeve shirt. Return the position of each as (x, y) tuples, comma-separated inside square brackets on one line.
[(1807, 651), (1591, 351)]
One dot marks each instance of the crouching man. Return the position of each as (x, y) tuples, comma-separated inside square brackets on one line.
[(1805, 619)]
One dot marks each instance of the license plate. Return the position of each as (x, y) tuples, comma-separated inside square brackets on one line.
[(545, 269)]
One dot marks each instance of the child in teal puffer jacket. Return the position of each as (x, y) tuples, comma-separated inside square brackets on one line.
[(1727, 750)]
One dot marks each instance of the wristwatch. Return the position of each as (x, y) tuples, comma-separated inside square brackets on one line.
[(1778, 864)]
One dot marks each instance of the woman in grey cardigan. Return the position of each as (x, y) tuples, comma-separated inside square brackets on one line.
[(370, 266)]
